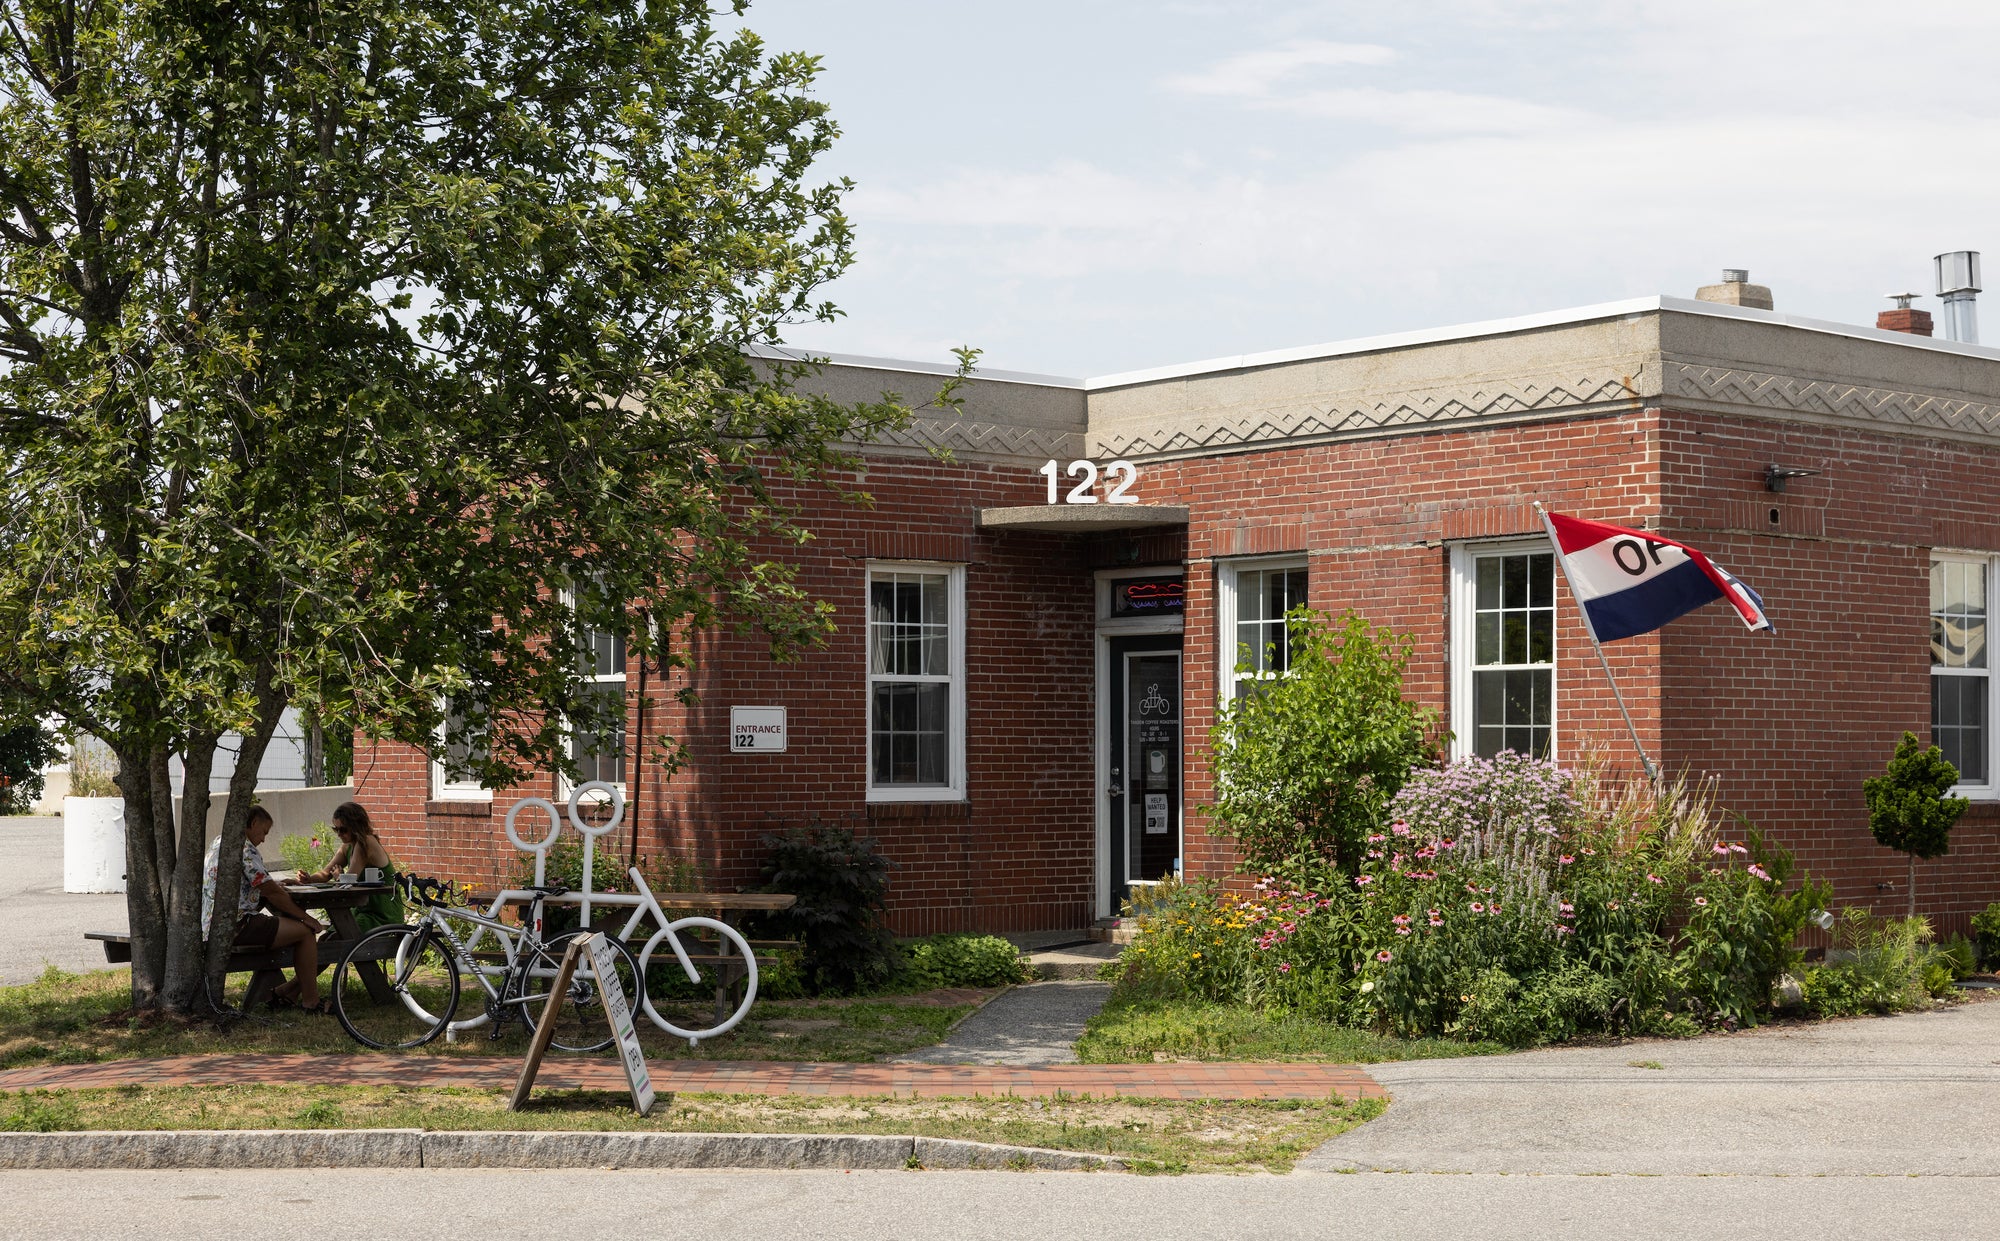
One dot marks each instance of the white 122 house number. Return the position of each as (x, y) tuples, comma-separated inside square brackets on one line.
[(1087, 471)]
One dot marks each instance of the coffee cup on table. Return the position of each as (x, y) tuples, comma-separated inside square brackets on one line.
[(346, 878), (372, 874)]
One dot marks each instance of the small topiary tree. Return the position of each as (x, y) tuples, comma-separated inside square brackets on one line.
[(1907, 807), (1305, 764)]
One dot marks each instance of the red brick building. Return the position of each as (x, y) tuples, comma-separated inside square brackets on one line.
[(1017, 700)]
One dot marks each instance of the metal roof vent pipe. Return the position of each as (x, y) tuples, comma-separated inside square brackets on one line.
[(1958, 286)]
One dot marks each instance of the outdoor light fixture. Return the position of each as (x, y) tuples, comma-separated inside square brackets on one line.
[(1823, 919), (1776, 476)]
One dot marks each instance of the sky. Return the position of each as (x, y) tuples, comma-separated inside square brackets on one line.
[(1097, 186)]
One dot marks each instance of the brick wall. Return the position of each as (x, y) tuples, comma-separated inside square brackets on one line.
[(1787, 725)]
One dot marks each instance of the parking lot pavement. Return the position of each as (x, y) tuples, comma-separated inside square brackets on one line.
[(40, 924), (1891, 1096)]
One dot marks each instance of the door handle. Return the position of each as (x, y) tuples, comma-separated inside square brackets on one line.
[(1112, 790)]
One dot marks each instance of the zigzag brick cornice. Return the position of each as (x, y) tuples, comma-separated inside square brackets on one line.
[(991, 439), (1723, 389), (1488, 401)]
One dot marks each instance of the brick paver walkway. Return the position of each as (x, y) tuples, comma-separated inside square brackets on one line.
[(1147, 1081)]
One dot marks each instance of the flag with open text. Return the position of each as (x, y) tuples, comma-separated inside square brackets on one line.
[(1630, 582)]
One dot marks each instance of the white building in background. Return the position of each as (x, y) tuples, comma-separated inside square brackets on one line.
[(284, 764)]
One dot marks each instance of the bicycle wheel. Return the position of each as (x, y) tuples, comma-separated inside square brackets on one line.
[(396, 987), (580, 1021), (701, 978)]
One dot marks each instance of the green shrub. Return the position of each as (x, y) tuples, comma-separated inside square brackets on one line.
[(1876, 965), (25, 748), (954, 960), (1956, 954), (312, 851), (1305, 764), (1986, 935), (841, 881), (1909, 809), (38, 1112)]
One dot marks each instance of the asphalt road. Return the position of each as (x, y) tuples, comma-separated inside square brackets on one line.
[(972, 1206), (40, 924)]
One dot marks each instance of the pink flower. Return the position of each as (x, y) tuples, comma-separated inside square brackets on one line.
[(1566, 859), (1284, 967), (1377, 838), (1652, 878), (1478, 908), (1494, 908), (1400, 829), (1721, 849), (1374, 853), (1385, 956), (1401, 919), (1362, 881), (1568, 908), (1471, 888), (1590, 852), (1437, 921), (1563, 930), (1701, 900), (1758, 871), (1738, 849), (1433, 913), (1402, 930)]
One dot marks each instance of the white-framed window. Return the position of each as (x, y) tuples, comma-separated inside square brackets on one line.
[(916, 682), (1503, 648), (600, 754), (1962, 589), (1252, 598), (450, 779)]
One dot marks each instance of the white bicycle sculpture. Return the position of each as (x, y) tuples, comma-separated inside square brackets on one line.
[(725, 958)]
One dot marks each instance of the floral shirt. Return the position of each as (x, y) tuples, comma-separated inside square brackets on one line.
[(248, 898)]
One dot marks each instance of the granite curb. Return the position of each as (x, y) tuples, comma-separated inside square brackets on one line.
[(416, 1148)]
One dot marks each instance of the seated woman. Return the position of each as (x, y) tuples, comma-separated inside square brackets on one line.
[(361, 848)]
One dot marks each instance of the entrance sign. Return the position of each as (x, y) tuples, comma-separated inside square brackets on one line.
[(1156, 813), (1087, 472), (757, 730)]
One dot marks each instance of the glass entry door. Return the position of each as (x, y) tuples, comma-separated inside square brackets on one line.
[(1144, 761)]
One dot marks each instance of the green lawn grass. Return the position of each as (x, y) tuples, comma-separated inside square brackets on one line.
[(1156, 1135), (81, 1018), (1138, 1030)]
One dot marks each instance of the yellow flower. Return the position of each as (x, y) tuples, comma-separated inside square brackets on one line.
[(1197, 956)]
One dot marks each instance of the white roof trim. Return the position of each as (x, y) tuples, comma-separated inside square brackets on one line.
[(789, 354)]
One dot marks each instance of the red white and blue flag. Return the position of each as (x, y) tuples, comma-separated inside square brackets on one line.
[(1631, 582)]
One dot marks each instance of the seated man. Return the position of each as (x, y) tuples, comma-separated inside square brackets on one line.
[(267, 916)]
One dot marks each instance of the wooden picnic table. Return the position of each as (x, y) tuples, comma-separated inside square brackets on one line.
[(266, 966)]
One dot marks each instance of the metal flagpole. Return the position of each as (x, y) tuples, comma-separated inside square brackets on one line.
[(1652, 772)]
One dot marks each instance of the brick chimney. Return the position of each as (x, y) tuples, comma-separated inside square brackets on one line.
[(1904, 318), (1736, 290)]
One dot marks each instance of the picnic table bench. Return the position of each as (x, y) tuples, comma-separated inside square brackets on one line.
[(264, 965)]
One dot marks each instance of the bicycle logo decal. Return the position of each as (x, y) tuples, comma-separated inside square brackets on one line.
[(1155, 702)]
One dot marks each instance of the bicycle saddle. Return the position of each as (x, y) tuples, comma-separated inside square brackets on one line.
[(549, 890)]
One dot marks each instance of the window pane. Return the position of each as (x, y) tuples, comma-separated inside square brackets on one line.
[(1958, 723), (1489, 583), (1958, 614), (1486, 640), (910, 734), (1514, 581), (1513, 711)]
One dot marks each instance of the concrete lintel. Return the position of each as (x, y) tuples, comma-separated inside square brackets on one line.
[(1083, 518)]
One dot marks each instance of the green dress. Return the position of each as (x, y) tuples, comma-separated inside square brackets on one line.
[(382, 908)]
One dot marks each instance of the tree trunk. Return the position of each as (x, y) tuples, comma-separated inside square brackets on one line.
[(1913, 885), (235, 816), (145, 903), (185, 959), (315, 754), (160, 771)]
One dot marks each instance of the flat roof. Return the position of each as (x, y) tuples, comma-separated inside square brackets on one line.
[(1396, 340), (1525, 323)]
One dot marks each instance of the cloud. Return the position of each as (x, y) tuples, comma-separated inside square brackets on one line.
[(1252, 74)]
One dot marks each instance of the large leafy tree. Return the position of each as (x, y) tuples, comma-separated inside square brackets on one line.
[(331, 332)]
